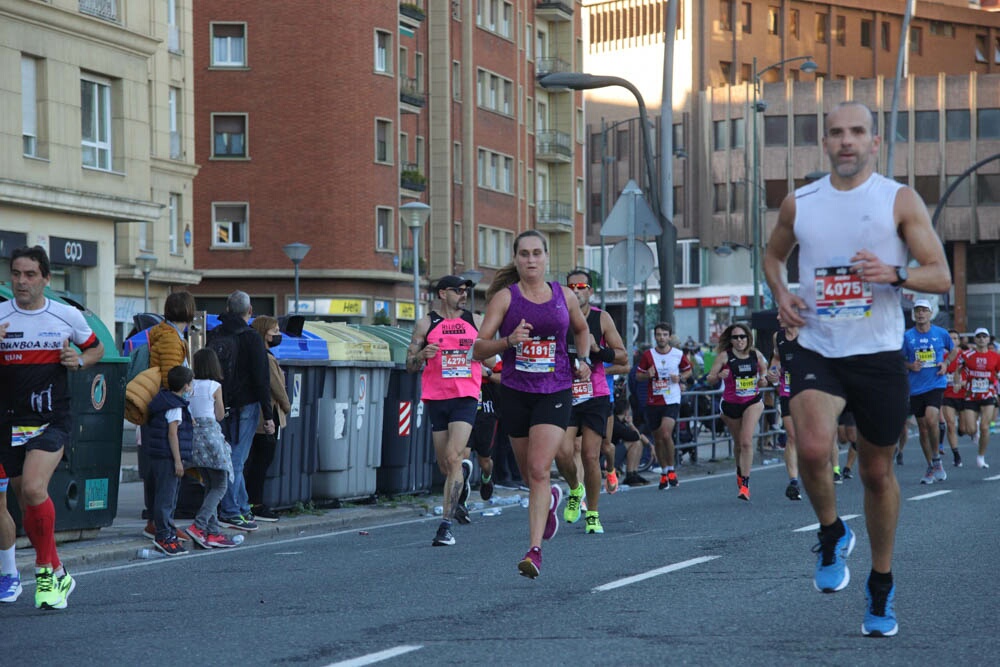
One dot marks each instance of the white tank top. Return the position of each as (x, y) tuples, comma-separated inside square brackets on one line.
[(845, 315)]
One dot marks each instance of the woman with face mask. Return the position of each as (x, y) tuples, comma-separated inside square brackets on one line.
[(264, 444)]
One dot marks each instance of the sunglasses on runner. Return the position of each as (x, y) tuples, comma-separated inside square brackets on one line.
[(457, 290), (575, 286), (739, 337)]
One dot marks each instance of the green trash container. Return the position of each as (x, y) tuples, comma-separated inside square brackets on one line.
[(408, 462), (84, 488), (349, 412)]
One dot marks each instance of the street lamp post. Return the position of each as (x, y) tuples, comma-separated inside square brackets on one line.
[(475, 276), (667, 240), (415, 214), (759, 106), (296, 252), (146, 262)]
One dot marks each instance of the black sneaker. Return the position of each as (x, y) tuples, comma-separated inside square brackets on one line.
[(635, 479), (846, 473), (444, 538), (958, 458), (792, 491), (486, 488), (239, 523), (466, 488), (462, 514), (264, 513)]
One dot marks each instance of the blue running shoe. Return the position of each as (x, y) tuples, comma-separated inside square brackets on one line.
[(832, 573), (10, 587), (880, 617)]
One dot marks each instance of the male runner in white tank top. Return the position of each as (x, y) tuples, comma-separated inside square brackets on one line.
[(853, 229)]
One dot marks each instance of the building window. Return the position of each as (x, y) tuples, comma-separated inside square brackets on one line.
[(726, 15), (981, 48), (383, 228), (678, 136), (961, 195), (383, 134), (174, 109), (230, 134), (456, 80), (494, 92), (866, 33), (530, 179), (95, 115), (805, 130), (988, 123), (383, 52), (942, 29), (929, 188), (721, 135), (144, 240), (988, 189), (528, 32), (747, 18), (507, 21), (821, 28), (957, 125), (793, 23), (418, 143), (842, 30), (496, 171), (775, 131), (721, 197), (727, 71), (174, 210), (541, 44), (229, 45), (580, 197), (687, 263), (916, 37), (746, 72), (737, 133), (926, 126), (456, 162), (886, 39), (775, 192), (29, 106), (229, 226), (773, 20), (173, 30)]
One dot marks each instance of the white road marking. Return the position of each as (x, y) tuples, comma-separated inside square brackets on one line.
[(652, 573), (813, 527), (372, 658), (991, 479), (929, 495)]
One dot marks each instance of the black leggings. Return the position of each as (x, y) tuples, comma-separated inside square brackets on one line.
[(255, 470)]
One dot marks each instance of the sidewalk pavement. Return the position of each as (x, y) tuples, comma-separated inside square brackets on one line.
[(120, 542)]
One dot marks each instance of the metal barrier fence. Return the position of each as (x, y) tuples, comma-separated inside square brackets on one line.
[(707, 428)]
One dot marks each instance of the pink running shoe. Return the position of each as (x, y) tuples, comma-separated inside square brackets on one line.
[(552, 525), (531, 565)]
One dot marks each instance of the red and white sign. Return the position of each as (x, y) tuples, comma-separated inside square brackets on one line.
[(405, 410)]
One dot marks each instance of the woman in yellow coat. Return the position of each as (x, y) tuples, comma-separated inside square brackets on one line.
[(265, 444)]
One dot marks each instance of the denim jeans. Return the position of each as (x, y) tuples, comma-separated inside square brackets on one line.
[(216, 483), (165, 498), (239, 428)]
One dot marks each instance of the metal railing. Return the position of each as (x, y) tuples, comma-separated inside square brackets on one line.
[(410, 91), (548, 65), (102, 9), (553, 142)]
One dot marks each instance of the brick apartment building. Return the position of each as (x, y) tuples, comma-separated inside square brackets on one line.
[(948, 121), (316, 121)]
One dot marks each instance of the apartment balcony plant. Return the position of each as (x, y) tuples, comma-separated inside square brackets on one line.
[(411, 178)]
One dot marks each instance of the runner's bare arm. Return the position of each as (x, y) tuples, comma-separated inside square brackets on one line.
[(779, 247), (932, 276), (415, 357)]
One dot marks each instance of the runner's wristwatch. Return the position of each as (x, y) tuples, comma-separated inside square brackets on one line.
[(901, 276)]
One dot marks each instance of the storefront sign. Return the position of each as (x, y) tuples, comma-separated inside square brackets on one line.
[(404, 310), (72, 252), (723, 301)]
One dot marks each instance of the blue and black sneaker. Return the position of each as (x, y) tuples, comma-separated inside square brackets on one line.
[(832, 573), (880, 617)]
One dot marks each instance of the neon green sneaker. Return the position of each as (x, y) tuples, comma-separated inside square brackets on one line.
[(572, 512), (593, 520), (52, 592)]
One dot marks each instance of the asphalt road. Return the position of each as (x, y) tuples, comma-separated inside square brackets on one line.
[(715, 581)]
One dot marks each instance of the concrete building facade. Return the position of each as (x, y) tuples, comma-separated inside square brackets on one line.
[(91, 170), (721, 48), (316, 125)]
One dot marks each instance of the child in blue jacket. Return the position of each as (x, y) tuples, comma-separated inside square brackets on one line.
[(170, 435)]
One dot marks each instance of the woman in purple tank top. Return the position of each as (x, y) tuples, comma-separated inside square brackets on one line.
[(532, 319)]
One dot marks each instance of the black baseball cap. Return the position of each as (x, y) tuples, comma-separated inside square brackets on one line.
[(452, 281)]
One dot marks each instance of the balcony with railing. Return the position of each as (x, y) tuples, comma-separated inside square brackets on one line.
[(554, 216), (411, 178), (411, 13), (545, 66), (553, 146), (102, 9), (554, 11), (411, 96)]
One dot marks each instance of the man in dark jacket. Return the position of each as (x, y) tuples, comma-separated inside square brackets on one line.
[(246, 391)]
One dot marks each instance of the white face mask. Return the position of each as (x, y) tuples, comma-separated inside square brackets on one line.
[(187, 395)]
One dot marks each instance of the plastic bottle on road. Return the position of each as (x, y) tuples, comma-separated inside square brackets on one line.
[(505, 500), (149, 554), (238, 538)]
